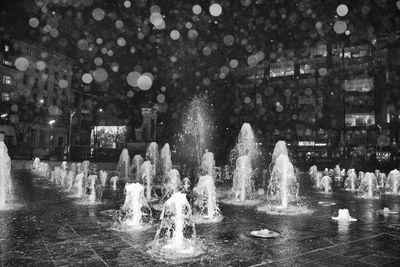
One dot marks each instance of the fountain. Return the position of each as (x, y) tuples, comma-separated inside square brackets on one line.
[(153, 156), (135, 214), (91, 190), (103, 177), (69, 181), (316, 176), (147, 176), (381, 177), (326, 184), (172, 184), (85, 168), (123, 166), (338, 175), (283, 187), (369, 187), (393, 182), (6, 188), (360, 176), (113, 181), (186, 184), (166, 163), (55, 175), (208, 164), (386, 211), (243, 184), (206, 201), (63, 175), (137, 161), (197, 128), (78, 187), (351, 181), (279, 149), (36, 164), (344, 216), (176, 239), (246, 145)]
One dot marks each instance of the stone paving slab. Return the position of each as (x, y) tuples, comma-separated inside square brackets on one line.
[(51, 229)]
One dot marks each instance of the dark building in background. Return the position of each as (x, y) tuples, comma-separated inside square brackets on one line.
[(330, 103)]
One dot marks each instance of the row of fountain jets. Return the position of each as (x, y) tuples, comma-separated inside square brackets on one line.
[(176, 236), (366, 185)]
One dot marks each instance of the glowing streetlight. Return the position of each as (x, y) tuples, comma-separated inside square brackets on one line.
[(51, 122)]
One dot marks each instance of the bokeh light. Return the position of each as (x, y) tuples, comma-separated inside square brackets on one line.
[(196, 9), (87, 78), (340, 26), (33, 22), (175, 35), (144, 82), (21, 63), (100, 75), (132, 78), (98, 14), (342, 10), (215, 10)]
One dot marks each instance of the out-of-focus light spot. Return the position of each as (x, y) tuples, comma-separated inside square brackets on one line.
[(174, 35), (121, 41), (21, 64), (196, 9), (40, 65), (119, 24), (127, 4), (98, 61), (206, 51), (340, 26), (63, 83), (228, 40), (160, 98), (130, 93), (233, 63), (144, 82), (98, 14), (87, 78), (33, 22), (215, 10), (132, 78), (342, 10), (192, 34), (100, 75)]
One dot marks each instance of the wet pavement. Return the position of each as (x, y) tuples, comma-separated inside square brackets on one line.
[(51, 230)]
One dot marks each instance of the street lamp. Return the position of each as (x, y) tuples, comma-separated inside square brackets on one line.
[(71, 115), (51, 122)]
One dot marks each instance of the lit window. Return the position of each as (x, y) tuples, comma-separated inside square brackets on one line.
[(7, 62), (7, 80), (6, 48), (283, 68), (5, 96)]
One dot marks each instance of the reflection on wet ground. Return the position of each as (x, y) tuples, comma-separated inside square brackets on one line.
[(50, 230)]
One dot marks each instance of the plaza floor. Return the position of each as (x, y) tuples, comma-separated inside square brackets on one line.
[(50, 229)]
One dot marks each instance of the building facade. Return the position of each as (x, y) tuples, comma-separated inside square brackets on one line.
[(331, 101), (35, 90)]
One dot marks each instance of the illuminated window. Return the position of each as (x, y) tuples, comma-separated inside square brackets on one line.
[(6, 48), (7, 80), (320, 50), (283, 68), (5, 96), (7, 62)]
